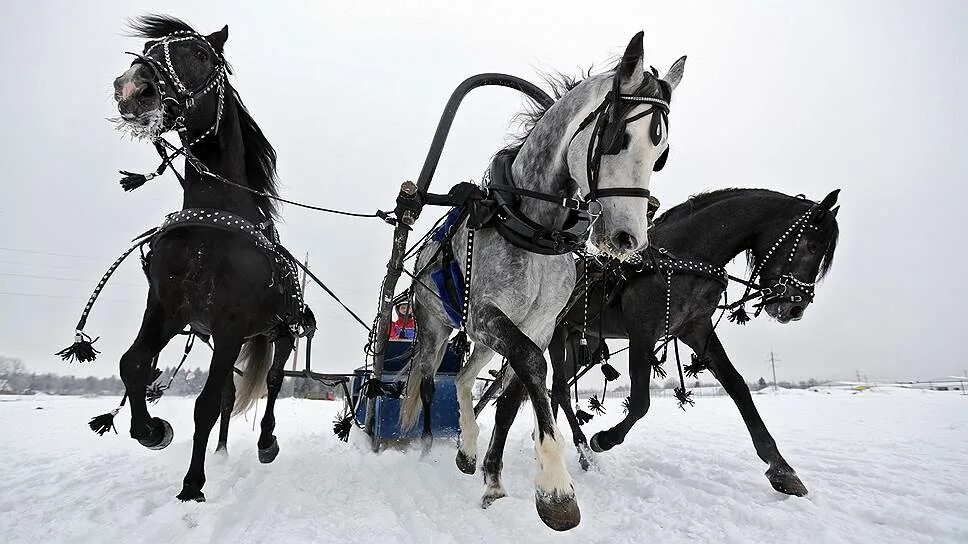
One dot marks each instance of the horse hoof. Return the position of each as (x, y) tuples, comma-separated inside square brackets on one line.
[(222, 451), (490, 496), (268, 454), (786, 481), (559, 512), (426, 444), (159, 436), (190, 493), (596, 447), (582, 460), (466, 464)]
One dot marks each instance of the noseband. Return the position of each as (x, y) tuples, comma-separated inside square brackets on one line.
[(174, 93), (786, 287)]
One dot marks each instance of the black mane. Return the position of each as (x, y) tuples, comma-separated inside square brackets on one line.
[(155, 26)]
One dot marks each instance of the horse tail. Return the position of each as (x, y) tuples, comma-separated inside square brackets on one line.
[(412, 403), (255, 360)]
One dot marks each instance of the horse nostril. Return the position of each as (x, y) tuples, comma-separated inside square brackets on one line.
[(796, 312), (623, 241)]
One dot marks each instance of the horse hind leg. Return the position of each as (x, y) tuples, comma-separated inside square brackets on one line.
[(268, 445), (469, 429), (507, 406), (227, 402), (207, 408), (430, 344)]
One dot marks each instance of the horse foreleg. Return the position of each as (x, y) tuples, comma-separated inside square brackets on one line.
[(554, 492), (781, 475), (469, 429), (228, 402), (640, 371), (268, 445), (157, 329), (227, 350)]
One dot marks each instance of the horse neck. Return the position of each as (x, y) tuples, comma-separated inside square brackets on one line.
[(541, 164), (717, 233), (223, 154)]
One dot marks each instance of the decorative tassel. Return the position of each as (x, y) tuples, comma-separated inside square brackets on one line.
[(582, 416), (375, 388), (657, 369), (610, 373), (603, 353), (596, 405), (697, 365), (132, 180), (584, 356), (342, 425), (625, 405), (104, 422), (154, 392), (739, 316), (461, 344), (684, 397), (82, 349)]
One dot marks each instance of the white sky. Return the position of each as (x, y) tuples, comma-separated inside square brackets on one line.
[(799, 97)]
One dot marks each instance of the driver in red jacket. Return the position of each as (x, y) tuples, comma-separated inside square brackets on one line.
[(404, 327)]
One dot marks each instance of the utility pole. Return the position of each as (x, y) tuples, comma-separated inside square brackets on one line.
[(295, 349), (773, 364)]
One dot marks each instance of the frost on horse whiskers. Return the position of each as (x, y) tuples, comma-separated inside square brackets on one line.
[(147, 126)]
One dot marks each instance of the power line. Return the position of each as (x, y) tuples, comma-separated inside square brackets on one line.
[(39, 295), (34, 252), (35, 276), (15, 263)]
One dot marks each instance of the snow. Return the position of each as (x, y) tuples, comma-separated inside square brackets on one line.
[(886, 464)]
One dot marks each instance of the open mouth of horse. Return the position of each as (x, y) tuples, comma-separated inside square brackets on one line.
[(146, 125), (784, 312)]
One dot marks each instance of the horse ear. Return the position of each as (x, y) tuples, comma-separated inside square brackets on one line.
[(218, 39), (674, 75), (631, 70), (834, 211), (829, 200)]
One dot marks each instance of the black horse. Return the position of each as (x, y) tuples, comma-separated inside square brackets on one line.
[(216, 266), (790, 243)]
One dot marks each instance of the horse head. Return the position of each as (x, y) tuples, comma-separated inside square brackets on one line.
[(794, 256), (620, 144), (178, 81)]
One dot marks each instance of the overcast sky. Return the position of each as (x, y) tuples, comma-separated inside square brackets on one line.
[(800, 97)]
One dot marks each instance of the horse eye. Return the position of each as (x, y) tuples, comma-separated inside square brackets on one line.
[(812, 247), (201, 55)]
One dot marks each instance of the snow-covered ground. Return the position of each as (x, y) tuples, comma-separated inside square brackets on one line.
[(881, 465)]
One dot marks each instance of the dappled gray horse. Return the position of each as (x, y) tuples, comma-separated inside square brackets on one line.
[(598, 145)]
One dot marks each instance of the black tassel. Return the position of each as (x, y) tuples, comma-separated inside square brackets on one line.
[(697, 365), (603, 353), (625, 405), (684, 397), (82, 349), (375, 388), (739, 316), (132, 180), (596, 405), (610, 373), (582, 416), (584, 356), (104, 422), (342, 425), (461, 345), (657, 369), (154, 392)]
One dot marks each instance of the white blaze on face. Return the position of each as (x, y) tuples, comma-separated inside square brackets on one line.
[(128, 87)]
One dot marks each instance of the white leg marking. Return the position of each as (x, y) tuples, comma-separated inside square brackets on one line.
[(553, 477)]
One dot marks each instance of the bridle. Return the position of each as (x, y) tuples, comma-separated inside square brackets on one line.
[(785, 287), (609, 137), (175, 95)]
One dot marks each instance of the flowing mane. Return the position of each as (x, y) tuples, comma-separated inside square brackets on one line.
[(260, 156)]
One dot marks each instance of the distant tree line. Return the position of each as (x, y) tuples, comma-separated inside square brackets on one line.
[(15, 379)]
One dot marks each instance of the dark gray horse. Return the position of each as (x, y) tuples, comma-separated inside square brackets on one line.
[(515, 294), (711, 228)]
